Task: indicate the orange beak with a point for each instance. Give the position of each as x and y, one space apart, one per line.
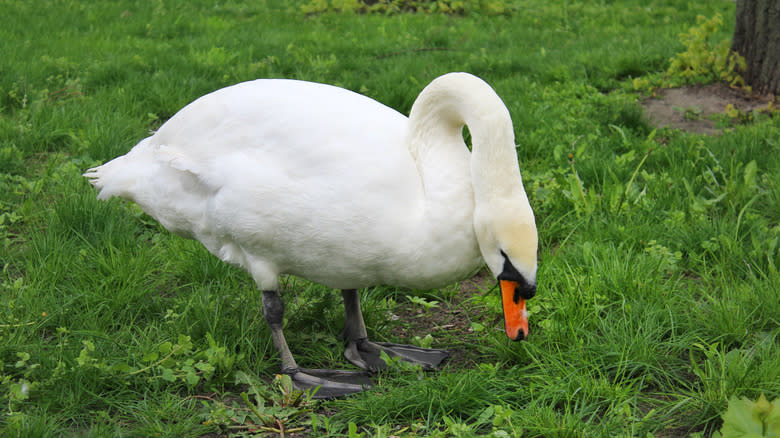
515 315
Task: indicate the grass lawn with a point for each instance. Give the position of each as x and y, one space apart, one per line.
658 276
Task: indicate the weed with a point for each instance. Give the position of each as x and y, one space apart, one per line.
703 61
422 302
746 418
279 410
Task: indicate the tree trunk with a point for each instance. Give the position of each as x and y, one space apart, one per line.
757 38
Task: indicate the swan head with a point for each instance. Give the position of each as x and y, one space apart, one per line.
508 240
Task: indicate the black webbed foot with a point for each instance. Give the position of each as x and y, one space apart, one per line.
429 358
367 355
328 384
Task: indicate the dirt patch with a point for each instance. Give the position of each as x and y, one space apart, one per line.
696 108
450 320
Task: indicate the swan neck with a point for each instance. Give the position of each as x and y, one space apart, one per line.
438 116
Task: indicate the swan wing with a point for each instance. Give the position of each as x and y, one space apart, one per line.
279 176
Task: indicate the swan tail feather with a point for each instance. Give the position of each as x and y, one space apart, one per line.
125 175
111 179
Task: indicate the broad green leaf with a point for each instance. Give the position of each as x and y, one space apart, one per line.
745 418
184 343
751 169
165 347
192 378
20 391
167 375
122 368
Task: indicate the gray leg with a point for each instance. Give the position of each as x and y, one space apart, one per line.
325 383
360 351
354 327
366 354
273 308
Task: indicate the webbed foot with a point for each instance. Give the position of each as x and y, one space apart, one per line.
367 355
328 384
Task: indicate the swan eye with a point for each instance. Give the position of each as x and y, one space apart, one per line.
524 288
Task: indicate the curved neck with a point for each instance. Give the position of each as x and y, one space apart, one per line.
435 128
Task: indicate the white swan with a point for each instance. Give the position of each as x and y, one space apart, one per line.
290 177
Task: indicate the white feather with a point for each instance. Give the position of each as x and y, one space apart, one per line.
283 176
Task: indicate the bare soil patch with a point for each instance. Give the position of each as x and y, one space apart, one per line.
450 320
695 108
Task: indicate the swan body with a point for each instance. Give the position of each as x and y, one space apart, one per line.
290 177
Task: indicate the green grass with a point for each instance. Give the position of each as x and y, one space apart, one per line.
658 276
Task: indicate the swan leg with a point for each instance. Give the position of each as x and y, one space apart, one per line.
360 351
273 309
323 383
366 354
